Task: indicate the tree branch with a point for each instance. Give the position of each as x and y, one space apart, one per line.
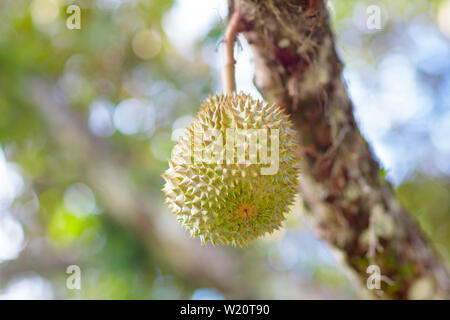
353 207
231 33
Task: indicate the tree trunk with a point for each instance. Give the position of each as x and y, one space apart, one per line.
353 208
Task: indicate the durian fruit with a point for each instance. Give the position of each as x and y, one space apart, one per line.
220 198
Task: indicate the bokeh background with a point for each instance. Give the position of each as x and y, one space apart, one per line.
88 118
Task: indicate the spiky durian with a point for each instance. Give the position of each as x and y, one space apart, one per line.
221 195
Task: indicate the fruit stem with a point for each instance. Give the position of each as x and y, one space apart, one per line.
231 32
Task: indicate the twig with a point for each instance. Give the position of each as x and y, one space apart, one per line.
228 77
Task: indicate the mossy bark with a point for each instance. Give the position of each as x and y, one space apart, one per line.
352 206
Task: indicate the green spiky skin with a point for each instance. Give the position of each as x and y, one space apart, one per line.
232 203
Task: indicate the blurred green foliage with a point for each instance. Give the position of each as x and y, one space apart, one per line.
44 64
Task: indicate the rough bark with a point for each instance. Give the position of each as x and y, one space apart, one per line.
352 206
